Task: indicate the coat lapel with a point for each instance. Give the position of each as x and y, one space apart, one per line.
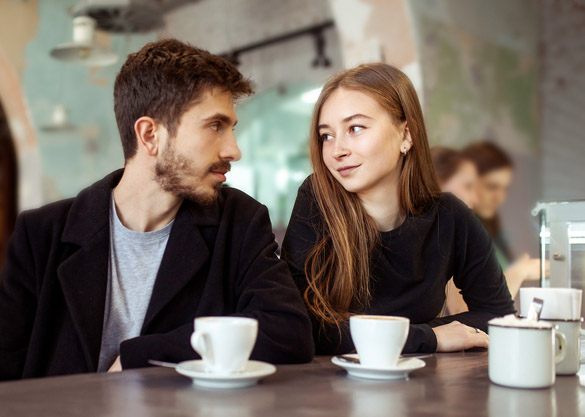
186 253
83 275
83 279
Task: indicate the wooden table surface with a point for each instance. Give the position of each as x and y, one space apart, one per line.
449 385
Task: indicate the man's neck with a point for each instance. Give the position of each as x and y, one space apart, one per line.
141 204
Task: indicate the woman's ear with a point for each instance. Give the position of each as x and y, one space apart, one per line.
406 139
148 134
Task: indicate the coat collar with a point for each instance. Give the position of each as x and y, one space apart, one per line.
83 275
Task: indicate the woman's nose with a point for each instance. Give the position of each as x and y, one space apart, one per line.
340 150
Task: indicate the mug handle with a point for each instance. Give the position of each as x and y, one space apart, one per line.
561 345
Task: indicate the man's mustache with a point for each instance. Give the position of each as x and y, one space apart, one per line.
220 166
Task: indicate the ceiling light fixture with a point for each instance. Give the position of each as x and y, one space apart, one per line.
83 50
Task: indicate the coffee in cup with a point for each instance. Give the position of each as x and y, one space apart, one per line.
224 343
378 339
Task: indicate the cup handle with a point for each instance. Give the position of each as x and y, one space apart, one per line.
561 346
200 342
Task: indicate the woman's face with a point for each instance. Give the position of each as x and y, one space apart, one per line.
463 184
492 188
361 144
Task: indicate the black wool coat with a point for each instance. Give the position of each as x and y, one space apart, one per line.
219 260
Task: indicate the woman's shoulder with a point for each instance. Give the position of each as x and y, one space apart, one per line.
448 204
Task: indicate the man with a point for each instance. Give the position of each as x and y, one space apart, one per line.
115 276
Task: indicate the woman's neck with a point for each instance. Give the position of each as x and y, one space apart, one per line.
383 205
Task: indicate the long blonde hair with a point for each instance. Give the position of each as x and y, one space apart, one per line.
338 266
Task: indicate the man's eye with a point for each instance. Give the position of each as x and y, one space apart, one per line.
215 126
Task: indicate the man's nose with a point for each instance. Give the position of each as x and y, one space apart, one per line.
230 151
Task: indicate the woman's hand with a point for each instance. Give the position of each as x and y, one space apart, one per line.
456 336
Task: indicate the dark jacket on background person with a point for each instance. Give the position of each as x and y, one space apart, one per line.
219 260
409 271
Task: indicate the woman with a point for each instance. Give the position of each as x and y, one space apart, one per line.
496 170
370 231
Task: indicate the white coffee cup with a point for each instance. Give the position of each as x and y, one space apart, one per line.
522 353
224 343
558 303
572 330
378 339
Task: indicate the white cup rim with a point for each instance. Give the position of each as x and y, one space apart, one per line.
227 319
543 326
379 317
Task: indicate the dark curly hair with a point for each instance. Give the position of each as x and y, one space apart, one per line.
163 80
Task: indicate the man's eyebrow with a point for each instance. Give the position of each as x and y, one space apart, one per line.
222 118
347 119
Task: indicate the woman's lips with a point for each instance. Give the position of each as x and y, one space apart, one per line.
345 171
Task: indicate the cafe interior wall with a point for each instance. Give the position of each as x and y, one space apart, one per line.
513 73
480 68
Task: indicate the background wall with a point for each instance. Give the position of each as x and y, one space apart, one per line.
479 63
508 71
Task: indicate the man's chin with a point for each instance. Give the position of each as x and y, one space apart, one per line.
201 197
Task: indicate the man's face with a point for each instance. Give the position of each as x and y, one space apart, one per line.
193 164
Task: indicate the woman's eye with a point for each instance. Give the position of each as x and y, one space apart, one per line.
355 129
326 137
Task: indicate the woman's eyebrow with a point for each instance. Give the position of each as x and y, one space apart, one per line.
347 119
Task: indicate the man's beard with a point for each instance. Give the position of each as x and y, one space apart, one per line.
180 177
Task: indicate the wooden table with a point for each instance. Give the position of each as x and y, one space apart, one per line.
450 385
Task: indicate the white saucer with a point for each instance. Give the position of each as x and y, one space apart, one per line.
401 371
254 371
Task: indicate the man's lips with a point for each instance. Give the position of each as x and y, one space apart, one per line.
346 170
220 174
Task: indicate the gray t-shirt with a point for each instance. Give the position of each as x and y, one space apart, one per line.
135 258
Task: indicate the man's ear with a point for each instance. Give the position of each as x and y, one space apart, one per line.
148 134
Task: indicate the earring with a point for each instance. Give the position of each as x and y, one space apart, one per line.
404 151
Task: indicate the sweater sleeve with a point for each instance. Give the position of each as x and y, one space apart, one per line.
264 291
477 273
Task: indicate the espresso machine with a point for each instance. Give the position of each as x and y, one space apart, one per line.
562 243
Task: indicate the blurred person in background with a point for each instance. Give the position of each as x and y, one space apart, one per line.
496 171
456 174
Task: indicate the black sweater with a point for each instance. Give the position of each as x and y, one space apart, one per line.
410 269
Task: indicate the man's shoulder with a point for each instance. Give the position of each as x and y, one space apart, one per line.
88 204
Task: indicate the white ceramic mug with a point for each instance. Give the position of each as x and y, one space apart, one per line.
378 340
572 330
558 303
224 343
522 354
